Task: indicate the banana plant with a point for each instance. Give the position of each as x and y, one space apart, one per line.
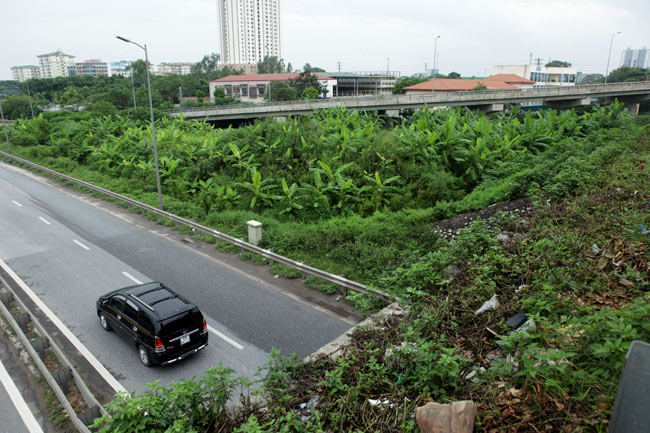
290 199
261 190
380 192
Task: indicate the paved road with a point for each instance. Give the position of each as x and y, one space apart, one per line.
19 409
69 251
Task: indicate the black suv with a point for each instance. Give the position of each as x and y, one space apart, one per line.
162 325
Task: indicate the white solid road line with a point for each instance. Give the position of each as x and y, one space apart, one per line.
19 402
44 220
103 372
16 203
131 277
80 244
225 338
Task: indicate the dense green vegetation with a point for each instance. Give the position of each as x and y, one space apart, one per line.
359 195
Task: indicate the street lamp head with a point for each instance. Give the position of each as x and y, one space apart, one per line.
122 39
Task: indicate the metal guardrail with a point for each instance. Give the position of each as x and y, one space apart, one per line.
273 257
95 409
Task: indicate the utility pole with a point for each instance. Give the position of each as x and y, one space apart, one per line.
338 64
610 54
2 116
434 71
31 107
387 65
530 62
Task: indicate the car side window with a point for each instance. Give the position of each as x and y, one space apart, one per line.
131 310
145 322
118 302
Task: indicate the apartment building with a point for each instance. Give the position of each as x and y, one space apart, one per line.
636 58
250 30
55 64
174 68
25 72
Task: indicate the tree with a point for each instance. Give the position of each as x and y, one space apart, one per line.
309 68
16 107
199 95
305 80
139 68
207 68
220 98
625 74
282 91
168 86
270 65
405 82
289 67
310 93
558 64
481 86
453 75
592 79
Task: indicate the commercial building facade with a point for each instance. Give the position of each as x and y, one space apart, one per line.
253 88
121 68
360 84
636 58
542 76
92 68
55 64
25 72
250 30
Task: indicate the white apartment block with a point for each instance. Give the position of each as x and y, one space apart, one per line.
636 58
541 75
26 72
174 69
250 30
56 64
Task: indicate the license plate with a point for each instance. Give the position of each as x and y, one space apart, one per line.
185 339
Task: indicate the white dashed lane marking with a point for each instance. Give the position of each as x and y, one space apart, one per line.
16 203
44 220
131 277
80 244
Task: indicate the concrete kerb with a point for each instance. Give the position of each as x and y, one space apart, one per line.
332 348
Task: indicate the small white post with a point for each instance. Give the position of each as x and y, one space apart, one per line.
254 232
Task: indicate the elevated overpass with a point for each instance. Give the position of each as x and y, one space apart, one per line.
488 100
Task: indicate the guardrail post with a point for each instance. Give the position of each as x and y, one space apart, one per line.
241 249
271 261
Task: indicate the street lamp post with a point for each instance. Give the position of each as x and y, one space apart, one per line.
268 67
435 53
610 54
153 123
387 66
133 86
31 107
2 116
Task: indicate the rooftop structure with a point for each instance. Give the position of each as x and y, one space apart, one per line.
542 76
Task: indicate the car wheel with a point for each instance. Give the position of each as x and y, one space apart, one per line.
144 356
104 322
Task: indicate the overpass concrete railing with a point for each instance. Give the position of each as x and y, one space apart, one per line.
270 255
396 102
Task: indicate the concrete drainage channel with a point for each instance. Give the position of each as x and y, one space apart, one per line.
61 376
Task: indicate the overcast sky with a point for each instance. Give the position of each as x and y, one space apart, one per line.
361 34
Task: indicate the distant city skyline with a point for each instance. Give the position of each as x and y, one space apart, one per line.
365 35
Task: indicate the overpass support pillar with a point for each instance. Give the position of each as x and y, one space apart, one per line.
566 104
490 108
280 119
632 107
392 113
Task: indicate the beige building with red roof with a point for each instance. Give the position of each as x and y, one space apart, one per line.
253 87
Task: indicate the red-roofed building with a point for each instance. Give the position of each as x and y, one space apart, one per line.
512 79
458 84
252 87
